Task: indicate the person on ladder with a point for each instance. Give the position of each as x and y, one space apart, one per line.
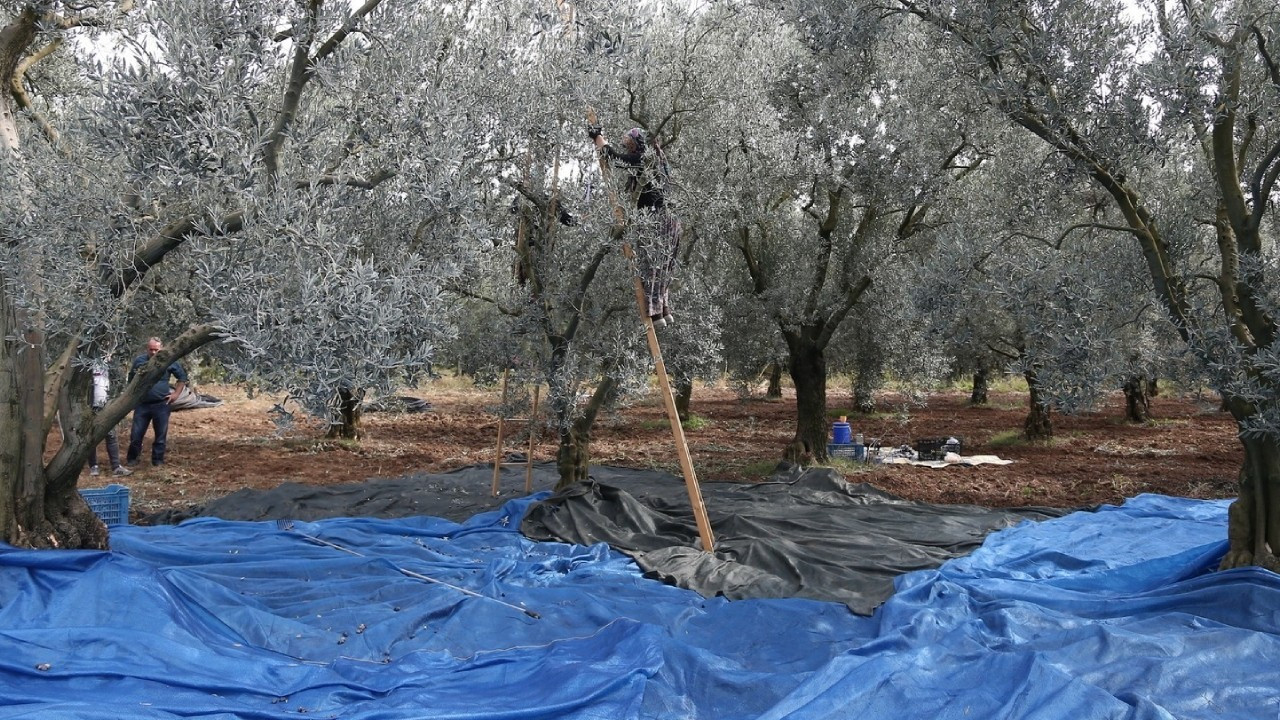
658 238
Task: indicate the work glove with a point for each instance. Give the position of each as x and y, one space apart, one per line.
593 132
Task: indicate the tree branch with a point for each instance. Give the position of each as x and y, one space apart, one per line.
1092 226
299 74
1263 181
348 27
368 183
169 239
853 293
464 291
18 89
753 266
55 377
67 22
1272 69
580 293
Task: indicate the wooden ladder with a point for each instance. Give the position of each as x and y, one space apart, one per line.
532 424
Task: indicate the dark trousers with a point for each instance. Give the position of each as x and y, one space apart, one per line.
113 450
155 414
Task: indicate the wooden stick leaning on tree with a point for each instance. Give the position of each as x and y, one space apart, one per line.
668 400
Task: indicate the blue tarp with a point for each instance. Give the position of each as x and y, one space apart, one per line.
1110 614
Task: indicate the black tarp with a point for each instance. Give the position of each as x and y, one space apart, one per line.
813 535
455 495
804 534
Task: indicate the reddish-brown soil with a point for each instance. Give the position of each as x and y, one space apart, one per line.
1188 450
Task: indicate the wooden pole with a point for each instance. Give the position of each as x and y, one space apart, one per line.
497 458
668 399
533 420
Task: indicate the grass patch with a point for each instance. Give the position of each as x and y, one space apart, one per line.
695 422
1015 438
848 465
1007 438
762 468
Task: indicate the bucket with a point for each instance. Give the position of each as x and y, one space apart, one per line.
841 434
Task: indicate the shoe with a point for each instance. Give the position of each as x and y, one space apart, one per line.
669 319
93 471
132 463
657 320
157 463
122 471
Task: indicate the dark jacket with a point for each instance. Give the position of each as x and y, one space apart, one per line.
160 391
646 181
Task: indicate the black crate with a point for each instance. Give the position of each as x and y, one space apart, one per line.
936 448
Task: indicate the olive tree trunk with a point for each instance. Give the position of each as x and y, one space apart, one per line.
573 455
683 397
1253 528
39 505
981 385
808 365
347 422
38 509
1039 424
774 390
1137 401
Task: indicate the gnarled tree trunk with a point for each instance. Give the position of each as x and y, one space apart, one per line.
809 373
1039 424
573 455
1253 529
38 509
774 390
347 422
1137 403
683 397
981 384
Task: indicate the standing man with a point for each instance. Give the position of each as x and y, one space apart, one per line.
153 409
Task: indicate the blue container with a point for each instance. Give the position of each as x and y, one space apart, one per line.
110 503
840 433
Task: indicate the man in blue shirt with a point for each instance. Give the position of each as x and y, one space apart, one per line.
153 409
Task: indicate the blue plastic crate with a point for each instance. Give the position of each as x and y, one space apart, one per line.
848 451
110 503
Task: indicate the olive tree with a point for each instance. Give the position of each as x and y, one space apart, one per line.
552 282
833 188
1119 90
291 174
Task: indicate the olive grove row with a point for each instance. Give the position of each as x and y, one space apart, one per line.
324 197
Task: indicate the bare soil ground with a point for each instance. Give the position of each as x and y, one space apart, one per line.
1188 450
